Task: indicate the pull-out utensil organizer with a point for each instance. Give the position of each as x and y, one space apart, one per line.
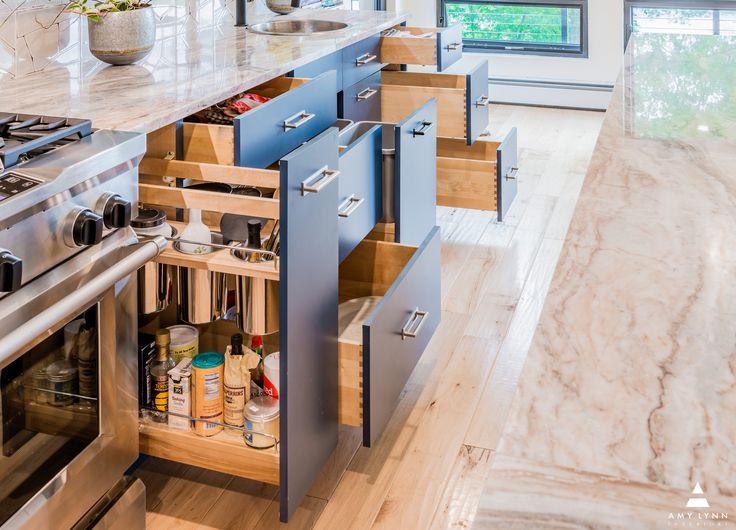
205 280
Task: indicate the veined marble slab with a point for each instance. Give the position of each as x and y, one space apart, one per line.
632 372
186 72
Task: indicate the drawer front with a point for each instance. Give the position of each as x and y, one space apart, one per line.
397 333
415 179
269 132
307 316
449 46
359 202
507 166
476 105
360 60
320 66
362 101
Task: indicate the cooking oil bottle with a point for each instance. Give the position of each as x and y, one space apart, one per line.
160 376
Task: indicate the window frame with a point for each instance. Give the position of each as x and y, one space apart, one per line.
714 5
524 48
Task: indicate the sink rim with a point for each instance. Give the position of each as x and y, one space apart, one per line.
260 27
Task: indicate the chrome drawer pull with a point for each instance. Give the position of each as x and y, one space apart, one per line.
301 118
317 181
415 323
482 101
512 173
368 93
365 59
425 127
350 204
453 46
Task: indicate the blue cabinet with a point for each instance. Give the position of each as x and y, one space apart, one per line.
298 112
397 290
416 174
359 197
308 316
361 60
332 62
362 101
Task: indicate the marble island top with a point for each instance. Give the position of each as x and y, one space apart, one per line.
628 395
184 73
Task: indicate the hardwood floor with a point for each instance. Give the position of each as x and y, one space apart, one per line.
429 467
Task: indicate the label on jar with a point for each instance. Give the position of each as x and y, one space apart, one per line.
212 386
161 393
234 405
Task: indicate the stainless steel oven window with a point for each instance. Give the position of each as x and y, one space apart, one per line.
50 413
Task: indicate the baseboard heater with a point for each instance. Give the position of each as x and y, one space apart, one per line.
539 83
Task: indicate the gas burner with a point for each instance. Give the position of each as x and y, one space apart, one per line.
24 136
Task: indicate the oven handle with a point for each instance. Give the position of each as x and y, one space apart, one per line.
89 292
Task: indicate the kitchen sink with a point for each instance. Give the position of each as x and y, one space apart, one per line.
297 27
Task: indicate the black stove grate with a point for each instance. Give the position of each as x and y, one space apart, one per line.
24 136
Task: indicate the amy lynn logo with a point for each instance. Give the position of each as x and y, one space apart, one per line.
699 513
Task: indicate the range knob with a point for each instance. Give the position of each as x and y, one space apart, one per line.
116 211
11 272
84 228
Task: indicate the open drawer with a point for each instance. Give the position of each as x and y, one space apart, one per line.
298 110
481 176
428 46
390 308
462 99
306 269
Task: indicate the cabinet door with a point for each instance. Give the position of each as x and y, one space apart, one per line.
416 175
360 188
397 333
507 165
476 105
362 101
308 315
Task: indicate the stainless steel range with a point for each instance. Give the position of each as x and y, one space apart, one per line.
68 258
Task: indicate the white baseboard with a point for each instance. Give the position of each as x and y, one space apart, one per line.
550 94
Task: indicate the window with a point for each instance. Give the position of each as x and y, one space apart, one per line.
713 17
542 27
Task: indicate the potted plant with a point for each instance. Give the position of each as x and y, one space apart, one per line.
120 31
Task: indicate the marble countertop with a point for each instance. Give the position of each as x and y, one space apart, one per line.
628 395
183 74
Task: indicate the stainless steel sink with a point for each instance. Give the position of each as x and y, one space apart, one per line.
297 27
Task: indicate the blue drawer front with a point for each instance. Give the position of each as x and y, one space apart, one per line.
362 101
359 190
360 60
307 317
332 62
449 46
507 164
388 356
476 105
416 175
261 137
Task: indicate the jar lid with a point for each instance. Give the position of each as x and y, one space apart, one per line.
262 408
60 371
183 334
149 218
208 360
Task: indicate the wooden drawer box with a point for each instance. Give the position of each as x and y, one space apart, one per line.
298 111
481 176
443 49
462 99
390 308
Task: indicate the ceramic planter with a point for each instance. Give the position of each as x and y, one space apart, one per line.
123 37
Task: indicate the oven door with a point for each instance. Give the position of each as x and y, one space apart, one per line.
68 384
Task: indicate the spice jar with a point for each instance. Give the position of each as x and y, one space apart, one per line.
62 377
262 418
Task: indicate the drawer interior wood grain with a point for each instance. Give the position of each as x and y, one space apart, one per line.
403 92
466 174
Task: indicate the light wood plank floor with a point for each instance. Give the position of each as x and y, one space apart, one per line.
428 468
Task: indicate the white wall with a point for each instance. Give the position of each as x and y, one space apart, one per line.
605 52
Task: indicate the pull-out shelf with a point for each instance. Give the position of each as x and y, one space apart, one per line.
442 48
